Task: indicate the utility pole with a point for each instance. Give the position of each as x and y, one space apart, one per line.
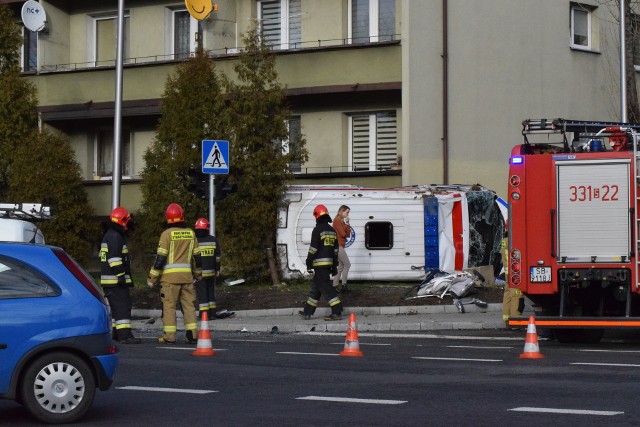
117 117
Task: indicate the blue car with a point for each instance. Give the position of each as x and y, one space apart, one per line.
56 347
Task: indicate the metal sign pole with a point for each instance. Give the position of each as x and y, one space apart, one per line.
117 117
212 205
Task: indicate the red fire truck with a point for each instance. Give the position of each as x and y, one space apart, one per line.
573 226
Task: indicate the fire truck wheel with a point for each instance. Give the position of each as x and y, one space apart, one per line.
586 336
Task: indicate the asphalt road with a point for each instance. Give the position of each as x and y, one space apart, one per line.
402 380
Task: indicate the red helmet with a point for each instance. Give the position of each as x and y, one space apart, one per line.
319 211
202 224
174 213
120 216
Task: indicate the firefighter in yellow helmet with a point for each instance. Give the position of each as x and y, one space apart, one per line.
176 266
512 300
115 274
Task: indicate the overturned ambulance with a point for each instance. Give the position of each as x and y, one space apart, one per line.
396 233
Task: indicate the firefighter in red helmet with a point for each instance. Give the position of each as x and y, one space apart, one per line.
176 266
323 259
115 274
210 255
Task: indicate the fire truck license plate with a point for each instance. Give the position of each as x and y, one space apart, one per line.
541 274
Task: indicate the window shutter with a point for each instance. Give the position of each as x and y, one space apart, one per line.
387 139
270 21
360 135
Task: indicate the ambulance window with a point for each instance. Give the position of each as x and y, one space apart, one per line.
378 235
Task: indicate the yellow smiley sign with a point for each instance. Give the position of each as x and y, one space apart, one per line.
199 9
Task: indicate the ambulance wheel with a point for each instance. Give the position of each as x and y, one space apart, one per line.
585 336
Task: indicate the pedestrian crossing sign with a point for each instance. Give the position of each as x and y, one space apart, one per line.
215 157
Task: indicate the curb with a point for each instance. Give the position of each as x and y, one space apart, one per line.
286 320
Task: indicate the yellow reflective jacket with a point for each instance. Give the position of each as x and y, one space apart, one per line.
178 257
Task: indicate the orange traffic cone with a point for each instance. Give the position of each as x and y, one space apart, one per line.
531 348
351 344
204 347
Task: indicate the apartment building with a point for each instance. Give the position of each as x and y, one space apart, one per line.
386 92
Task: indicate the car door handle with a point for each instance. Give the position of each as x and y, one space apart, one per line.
2 346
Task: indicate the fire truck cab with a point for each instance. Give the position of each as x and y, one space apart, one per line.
573 226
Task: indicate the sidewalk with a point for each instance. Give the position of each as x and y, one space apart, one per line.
376 319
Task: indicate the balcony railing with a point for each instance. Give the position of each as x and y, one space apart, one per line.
221 53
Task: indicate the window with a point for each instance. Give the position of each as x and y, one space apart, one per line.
104 153
104 37
280 23
293 144
372 20
580 27
184 34
373 141
378 235
20 281
29 52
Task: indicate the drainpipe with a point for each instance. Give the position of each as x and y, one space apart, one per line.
445 96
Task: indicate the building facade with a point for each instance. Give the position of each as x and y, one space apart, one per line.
385 92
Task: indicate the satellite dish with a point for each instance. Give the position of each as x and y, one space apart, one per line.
33 16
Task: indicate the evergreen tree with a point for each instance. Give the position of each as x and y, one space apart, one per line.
256 117
191 109
18 101
44 170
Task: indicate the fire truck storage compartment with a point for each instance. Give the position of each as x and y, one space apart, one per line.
593 223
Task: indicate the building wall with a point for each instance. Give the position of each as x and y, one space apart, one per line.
508 60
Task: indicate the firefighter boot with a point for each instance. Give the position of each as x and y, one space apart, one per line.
126 337
304 315
189 338
333 316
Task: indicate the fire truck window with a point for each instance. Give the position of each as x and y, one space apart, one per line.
378 235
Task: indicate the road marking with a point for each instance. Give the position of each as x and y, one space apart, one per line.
229 339
457 359
368 344
312 354
476 346
626 365
421 336
353 400
188 348
612 351
167 390
566 411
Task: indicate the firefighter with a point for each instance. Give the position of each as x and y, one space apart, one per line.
176 266
115 274
210 254
512 300
323 259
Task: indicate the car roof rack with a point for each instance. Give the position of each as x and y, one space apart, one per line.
28 211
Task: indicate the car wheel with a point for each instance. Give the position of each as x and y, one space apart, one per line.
58 388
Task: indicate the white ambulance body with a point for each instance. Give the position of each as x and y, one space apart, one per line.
396 232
